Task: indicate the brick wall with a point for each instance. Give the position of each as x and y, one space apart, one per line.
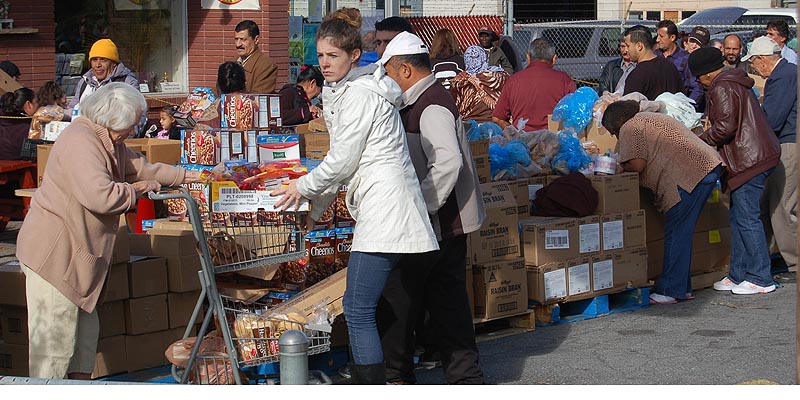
33 53
210 39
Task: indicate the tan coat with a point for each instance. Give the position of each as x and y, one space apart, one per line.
260 73
69 233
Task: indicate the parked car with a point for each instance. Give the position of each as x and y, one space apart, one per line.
730 19
582 47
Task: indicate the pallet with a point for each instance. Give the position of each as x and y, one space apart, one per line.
495 328
612 303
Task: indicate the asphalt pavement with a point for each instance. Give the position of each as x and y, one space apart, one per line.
717 338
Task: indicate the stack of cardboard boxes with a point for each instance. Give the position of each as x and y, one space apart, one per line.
711 242
576 258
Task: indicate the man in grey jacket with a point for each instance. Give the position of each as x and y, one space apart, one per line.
434 281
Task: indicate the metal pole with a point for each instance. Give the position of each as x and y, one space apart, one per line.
293 346
509 28
392 8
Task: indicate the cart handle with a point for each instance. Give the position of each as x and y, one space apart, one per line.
164 195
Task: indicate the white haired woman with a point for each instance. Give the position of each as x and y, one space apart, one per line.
66 241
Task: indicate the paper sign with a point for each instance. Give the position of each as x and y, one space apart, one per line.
171 87
612 235
144 88
714 237
555 284
556 239
579 279
590 238
603 274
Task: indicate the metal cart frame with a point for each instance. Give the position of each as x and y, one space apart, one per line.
219 305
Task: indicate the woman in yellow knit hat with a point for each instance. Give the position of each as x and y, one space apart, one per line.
106 68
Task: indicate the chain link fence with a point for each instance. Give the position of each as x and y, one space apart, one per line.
584 47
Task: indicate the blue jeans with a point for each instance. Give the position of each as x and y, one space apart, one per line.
366 278
675 280
749 251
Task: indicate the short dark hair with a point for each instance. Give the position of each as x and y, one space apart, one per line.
250 26
421 62
643 37
618 113
672 29
170 110
231 78
781 26
311 73
542 49
639 28
394 24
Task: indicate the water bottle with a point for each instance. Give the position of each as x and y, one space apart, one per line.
75 111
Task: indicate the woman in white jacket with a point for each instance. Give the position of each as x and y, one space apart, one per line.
369 154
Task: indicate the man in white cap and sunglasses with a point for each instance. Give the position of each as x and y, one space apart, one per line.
435 281
780 106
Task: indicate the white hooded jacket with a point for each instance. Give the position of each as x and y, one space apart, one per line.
369 154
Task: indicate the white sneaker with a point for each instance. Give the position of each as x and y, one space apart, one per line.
751 288
724 285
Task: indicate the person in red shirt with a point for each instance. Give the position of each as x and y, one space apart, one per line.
533 92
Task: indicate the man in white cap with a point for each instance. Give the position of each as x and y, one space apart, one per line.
434 281
780 105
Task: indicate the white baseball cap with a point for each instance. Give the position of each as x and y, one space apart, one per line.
762 46
402 45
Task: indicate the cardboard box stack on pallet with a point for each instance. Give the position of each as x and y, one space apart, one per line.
711 242
577 258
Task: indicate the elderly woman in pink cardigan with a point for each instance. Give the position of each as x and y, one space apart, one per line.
66 241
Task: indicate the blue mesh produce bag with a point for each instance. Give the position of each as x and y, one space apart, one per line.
506 157
575 109
571 156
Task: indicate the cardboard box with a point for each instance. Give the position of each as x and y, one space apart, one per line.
549 239
159 150
579 278
655 259
470 290
707 258
547 283
116 287
711 240
112 318
147 277
181 306
713 216
14 324
315 145
7 83
498 237
534 184
589 238
200 147
122 246
623 230
12 285
146 315
111 357
182 273
14 359
630 268
482 168
500 288
172 243
42 154
654 220
479 147
330 290
602 273
144 351
519 189
273 148
140 244
592 133
616 193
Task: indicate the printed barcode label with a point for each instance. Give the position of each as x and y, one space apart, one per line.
228 190
556 239
510 306
503 251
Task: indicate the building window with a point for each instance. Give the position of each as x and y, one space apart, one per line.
654 15
151 39
636 15
687 14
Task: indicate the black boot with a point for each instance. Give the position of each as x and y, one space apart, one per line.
373 374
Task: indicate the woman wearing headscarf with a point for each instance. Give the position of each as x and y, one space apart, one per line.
477 89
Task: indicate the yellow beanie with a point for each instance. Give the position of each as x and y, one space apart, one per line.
104 48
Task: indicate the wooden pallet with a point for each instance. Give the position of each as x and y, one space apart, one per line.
559 313
496 328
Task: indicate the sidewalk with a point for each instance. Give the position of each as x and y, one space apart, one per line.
718 338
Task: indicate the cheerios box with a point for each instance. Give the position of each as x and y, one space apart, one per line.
273 148
200 147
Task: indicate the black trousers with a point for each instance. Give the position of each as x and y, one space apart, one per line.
434 282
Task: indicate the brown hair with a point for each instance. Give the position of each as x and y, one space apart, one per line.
342 29
50 93
445 44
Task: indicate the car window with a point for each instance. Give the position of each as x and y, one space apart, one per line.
762 19
609 42
569 42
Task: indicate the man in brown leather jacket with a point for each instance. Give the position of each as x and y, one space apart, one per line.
746 142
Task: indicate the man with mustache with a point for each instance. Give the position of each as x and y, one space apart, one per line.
260 71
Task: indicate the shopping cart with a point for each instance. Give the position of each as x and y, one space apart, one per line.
231 242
